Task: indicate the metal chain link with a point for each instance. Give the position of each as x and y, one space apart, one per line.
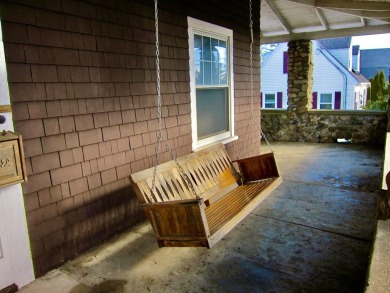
261 130
160 136
252 115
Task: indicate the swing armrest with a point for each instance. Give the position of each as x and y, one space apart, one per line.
258 168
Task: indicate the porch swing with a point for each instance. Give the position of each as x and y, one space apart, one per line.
195 200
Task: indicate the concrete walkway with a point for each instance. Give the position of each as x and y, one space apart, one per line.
313 234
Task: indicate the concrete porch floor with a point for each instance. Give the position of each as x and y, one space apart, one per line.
313 234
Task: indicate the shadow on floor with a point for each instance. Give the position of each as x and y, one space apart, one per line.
313 234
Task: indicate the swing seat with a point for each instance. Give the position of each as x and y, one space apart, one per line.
225 197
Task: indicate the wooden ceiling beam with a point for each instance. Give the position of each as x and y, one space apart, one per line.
346 4
277 14
322 19
334 33
363 21
354 5
366 14
375 15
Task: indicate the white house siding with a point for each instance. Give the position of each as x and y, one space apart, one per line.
273 79
327 78
342 55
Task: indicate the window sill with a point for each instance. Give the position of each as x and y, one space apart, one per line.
224 141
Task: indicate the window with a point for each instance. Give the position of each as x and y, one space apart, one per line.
269 101
326 101
211 82
272 101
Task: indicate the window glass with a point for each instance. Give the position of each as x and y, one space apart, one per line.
269 101
210 57
197 59
326 101
212 110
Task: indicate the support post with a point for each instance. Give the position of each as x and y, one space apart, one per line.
300 79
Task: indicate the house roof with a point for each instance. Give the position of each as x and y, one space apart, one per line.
359 77
285 20
336 43
375 58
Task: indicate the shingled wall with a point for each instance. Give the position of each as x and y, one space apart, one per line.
82 86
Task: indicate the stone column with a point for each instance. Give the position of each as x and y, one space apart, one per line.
300 79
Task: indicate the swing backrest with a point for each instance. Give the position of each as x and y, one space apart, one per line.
210 170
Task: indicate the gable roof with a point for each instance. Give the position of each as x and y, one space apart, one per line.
375 58
359 77
337 43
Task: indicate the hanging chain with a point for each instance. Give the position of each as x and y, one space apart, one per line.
252 115
251 54
160 136
261 129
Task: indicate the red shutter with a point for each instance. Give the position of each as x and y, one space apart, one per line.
337 100
279 100
285 62
315 98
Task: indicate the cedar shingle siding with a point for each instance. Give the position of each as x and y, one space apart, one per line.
82 86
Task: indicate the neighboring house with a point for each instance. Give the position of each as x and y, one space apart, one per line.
374 60
335 84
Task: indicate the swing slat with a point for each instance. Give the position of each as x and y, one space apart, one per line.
180 219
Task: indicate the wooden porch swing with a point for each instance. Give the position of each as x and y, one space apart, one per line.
195 200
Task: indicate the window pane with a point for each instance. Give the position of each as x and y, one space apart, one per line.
214 48
222 60
212 110
214 64
206 49
215 73
326 106
206 72
269 98
326 98
197 59
270 105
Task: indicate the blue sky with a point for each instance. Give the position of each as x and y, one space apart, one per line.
372 41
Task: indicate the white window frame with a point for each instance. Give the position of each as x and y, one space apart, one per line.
275 97
196 26
319 101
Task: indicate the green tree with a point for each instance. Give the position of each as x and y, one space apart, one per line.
378 87
377 94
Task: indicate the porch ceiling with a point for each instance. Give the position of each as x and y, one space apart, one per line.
285 20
